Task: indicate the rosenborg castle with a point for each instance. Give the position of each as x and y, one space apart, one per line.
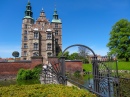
40 37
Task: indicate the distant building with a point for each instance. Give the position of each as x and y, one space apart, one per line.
99 57
40 37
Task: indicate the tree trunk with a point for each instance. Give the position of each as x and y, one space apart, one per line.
127 59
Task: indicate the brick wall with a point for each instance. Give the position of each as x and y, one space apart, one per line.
11 68
71 65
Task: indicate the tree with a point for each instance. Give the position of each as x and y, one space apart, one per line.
74 56
83 53
66 55
119 42
15 54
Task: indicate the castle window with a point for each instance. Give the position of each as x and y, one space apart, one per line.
49 54
36 35
35 46
25 26
25 32
56 32
36 54
56 25
25 45
48 35
49 46
25 38
56 40
25 53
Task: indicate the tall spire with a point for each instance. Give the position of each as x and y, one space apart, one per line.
28 12
55 15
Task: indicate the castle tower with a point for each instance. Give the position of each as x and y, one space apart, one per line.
40 38
57 27
26 27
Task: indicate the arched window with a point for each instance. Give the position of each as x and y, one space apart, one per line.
35 46
49 46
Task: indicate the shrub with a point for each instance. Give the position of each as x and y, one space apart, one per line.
77 74
28 74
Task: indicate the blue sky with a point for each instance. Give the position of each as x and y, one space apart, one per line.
87 22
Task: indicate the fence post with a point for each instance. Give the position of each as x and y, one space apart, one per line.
95 74
62 60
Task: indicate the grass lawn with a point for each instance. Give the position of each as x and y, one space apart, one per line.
121 66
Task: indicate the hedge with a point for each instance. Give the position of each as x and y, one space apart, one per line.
44 90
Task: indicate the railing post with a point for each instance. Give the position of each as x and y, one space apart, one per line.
95 74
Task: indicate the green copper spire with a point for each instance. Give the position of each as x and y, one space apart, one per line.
28 12
55 17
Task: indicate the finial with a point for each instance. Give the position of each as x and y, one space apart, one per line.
42 9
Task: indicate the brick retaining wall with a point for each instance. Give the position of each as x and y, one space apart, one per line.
11 68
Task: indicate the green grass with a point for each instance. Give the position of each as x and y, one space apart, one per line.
87 67
121 66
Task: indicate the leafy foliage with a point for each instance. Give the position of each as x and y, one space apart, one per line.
73 56
119 42
48 90
29 74
77 74
66 55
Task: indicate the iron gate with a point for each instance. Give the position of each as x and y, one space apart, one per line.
102 80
